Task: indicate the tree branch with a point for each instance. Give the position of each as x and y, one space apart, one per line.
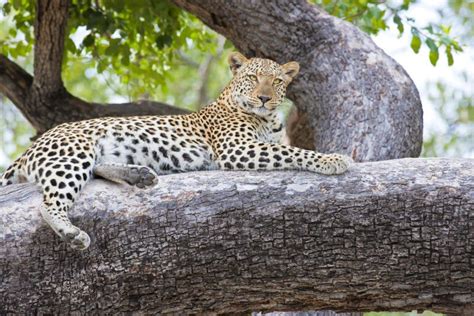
393 235
15 82
141 107
357 98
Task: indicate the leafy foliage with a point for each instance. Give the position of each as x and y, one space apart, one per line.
373 16
135 40
18 25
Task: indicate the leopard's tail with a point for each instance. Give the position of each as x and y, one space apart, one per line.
13 174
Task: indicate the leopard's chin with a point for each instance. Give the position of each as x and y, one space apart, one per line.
261 111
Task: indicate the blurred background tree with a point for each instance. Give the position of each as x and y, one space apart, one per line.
453 101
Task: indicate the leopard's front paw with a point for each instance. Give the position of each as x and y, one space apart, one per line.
333 164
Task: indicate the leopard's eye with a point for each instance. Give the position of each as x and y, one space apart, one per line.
277 81
253 77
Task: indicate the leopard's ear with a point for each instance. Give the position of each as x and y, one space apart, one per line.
290 70
236 60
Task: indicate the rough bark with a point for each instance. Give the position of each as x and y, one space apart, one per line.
392 235
359 100
307 313
50 31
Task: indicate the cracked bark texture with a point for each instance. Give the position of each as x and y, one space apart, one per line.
358 100
392 235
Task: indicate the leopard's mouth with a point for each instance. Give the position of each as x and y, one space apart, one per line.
254 107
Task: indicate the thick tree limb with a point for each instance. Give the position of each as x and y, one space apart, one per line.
16 84
141 107
357 98
392 235
14 81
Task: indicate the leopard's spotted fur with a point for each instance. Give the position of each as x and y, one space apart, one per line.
239 131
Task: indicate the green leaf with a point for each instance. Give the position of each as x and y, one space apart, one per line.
445 28
228 44
12 32
113 48
163 41
16 4
125 60
405 5
399 23
456 46
6 8
3 49
431 44
101 66
415 43
70 46
88 40
449 55
434 56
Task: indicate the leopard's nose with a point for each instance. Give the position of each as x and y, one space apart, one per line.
264 98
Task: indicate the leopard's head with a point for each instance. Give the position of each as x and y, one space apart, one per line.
259 85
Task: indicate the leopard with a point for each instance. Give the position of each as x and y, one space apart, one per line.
241 130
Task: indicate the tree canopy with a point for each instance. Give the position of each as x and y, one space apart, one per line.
140 41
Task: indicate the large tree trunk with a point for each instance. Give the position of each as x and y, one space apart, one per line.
393 235
358 100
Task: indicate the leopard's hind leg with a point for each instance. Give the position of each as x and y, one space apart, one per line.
61 180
